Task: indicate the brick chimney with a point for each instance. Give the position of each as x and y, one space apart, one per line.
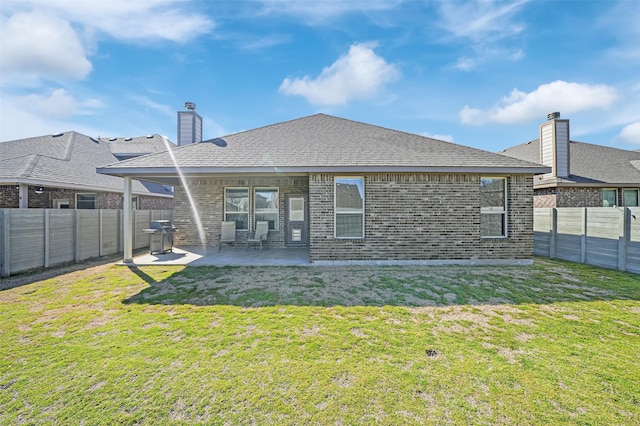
554 146
189 125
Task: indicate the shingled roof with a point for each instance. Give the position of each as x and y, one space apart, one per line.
589 164
66 160
129 147
322 143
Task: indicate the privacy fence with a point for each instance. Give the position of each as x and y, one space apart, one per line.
603 236
36 238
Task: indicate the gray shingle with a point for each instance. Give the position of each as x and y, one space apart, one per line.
69 159
321 141
589 163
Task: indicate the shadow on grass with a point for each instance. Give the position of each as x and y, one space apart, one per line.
548 281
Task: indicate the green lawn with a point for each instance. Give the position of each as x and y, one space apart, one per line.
556 343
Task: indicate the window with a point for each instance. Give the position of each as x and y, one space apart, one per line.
349 207
630 197
609 197
265 206
134 203
493 207
236 207
86 201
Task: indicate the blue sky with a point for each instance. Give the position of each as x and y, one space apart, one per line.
480 73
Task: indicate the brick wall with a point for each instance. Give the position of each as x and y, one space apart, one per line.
569 197
9 198
208 197
421 217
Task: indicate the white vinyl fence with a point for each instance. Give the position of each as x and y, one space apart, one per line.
602 236
36 238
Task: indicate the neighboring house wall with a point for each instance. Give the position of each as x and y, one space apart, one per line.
421 217
105 200
9 197
568 197
208 196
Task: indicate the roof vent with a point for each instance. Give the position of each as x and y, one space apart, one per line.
113 139
553 115
128 139
190 105
149 136
57 135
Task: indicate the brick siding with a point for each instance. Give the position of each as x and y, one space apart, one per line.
208 197
421 217
9 198
569 197
407 216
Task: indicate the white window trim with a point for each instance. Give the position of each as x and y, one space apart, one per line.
335 208
95 199
610 189
248 205
504 212
267 188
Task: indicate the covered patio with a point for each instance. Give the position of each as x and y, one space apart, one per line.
228 256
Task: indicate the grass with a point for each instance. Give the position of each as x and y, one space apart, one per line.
556 343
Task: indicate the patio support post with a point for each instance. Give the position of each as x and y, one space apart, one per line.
126 207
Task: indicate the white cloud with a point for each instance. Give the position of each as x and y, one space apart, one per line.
41 44
44 113
323 11
127 20
53 39
356 75
448 138
58 104
480 20
566 97
630 133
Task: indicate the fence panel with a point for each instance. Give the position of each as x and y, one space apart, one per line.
62 231
110 231
35 238
141 221
569 234
88 234
600 236
542 225
26 240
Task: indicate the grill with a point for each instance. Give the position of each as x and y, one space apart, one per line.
161 236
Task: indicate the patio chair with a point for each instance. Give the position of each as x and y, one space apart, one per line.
228 234
259 235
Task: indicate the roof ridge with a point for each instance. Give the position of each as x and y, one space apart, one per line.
30 165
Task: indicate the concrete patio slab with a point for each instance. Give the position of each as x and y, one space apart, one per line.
229 256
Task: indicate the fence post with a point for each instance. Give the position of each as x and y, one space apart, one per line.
625 229
554 232
76 236
6 255
47 238
583 236
100 232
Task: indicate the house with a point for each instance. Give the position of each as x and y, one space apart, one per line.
583 174
350 192
59 171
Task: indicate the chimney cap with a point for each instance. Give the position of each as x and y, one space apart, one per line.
553 115
190 105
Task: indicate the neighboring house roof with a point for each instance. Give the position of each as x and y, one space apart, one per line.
589 164
135 146
66 160
321 143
